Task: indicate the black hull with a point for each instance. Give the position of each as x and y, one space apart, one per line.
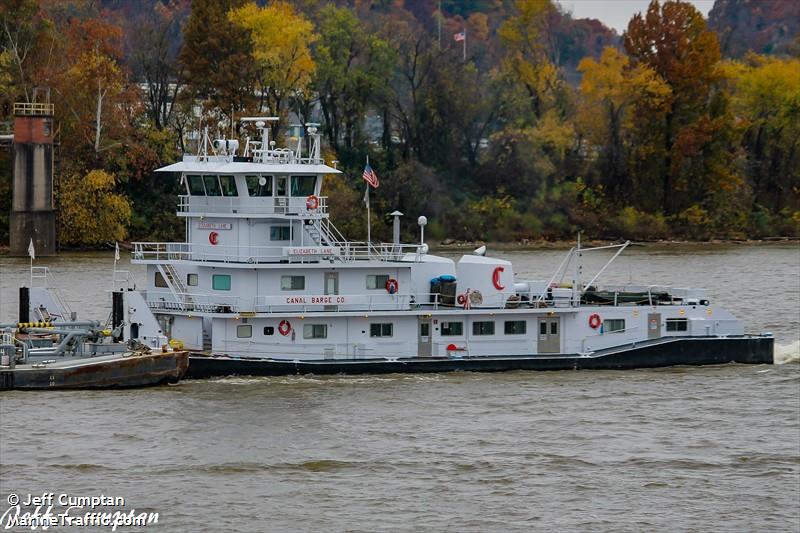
119 373
667 352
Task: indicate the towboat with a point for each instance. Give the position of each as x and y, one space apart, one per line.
265 284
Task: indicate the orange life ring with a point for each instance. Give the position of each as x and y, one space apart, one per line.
496 278
392 286
595 321
312 203
212 238
284 328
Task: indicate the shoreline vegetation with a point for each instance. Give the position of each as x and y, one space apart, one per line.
500 121
450 245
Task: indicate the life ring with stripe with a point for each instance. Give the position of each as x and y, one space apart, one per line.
284 328
595 321
392 286
461 299
213 238
312 203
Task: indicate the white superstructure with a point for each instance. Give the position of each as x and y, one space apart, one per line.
264 273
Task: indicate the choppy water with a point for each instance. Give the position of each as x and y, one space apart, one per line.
712 448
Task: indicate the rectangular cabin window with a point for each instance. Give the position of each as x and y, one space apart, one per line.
280 183
377 281
196 187
293 283
677 324
279 233
47 128
160 281
192 280
425 329
452 329
381 330
315 331
543 328
516 327
244 331
259 185
303 185
483 328
221 282
212 186
228 184
610 325
269 330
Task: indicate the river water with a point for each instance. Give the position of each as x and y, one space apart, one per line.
711 448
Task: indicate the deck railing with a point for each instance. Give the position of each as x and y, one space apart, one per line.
33 108
341 251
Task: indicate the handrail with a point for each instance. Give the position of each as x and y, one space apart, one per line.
33 108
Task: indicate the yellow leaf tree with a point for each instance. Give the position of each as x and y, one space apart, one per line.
281 39
90 212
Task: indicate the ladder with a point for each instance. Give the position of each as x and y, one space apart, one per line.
176 285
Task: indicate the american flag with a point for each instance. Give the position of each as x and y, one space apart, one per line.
370 176
460 36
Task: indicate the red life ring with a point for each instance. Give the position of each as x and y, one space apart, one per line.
284 328
212 238
595 321
312 203
496 278
461 299
392 286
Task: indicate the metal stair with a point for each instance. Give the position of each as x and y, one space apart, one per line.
176 285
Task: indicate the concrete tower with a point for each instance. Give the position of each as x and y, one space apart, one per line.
32 214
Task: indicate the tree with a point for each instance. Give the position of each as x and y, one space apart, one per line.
352 68
280 40
766 99
673 40
216 58
90 213
613 90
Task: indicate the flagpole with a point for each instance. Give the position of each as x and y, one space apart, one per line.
114 275
369 224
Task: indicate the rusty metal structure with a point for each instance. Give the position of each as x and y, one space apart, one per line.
32 209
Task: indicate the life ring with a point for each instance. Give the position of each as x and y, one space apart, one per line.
284 328
392 286
212 238
312 202
595 321
496 278
461 299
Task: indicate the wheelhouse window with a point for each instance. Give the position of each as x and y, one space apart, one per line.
315 331
377 281
483 328
610 325
452 329
160 281
280 185
192 280
293 283
677 324
196 187
516 327
279 233
259 185
244 331
221 282
381 330
303 185
212 186
228 186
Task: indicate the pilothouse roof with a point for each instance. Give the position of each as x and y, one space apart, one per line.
194 164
